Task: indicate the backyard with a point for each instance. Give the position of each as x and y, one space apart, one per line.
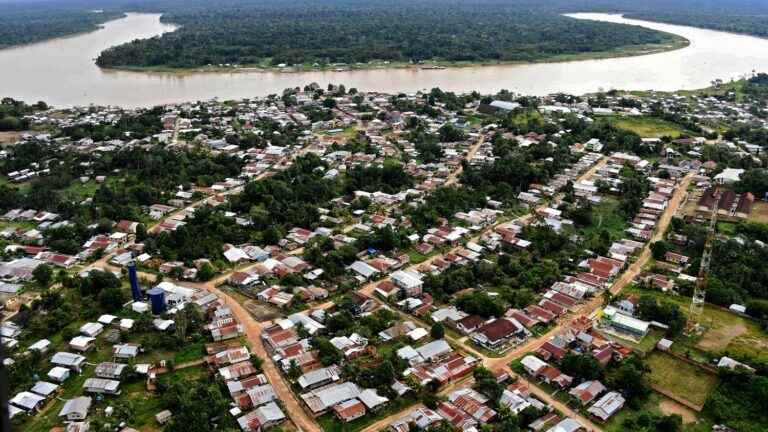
686 381
606 216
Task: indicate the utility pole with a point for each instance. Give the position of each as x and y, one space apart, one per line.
700 291
4 419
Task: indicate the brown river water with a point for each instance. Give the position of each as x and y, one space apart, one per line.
62 71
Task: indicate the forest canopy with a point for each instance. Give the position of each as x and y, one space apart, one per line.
327 32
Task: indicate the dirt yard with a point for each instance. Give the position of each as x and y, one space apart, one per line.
759 212
9 137
718 339
669 407
261 312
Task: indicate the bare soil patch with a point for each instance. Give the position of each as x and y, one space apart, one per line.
9 137
759 212
718 339
261 312
669 407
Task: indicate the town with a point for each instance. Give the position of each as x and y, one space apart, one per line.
330 259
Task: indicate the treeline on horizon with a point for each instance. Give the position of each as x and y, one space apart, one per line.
259 32
346 31
35 21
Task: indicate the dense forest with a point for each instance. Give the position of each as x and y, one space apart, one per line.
27 22
731 22
12 114
341 31
325 31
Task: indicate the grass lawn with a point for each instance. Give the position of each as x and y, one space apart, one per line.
82 190
726 228
648 127
725 332
689 382
417 257
190 352
606 216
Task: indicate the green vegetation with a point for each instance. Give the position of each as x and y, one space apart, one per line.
725 333
682 379
28 22
645 345
58 315
648 127
714 17
309 32
754 181
12 112
515 277
143 178
605 224
739 401
737 273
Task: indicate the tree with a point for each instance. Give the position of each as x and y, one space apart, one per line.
437 331
479 303
450 133
662 311
206 272
581 367
329 103
630 378
659 249
141 232
43 274
194 404
327 352
111 299
486 384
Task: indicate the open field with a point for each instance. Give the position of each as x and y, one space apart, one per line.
684 380
606 216
648 127
726 333
10 137
759 212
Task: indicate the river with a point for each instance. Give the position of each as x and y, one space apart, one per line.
62 71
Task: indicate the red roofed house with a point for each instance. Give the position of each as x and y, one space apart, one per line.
498 332
350 410
456 417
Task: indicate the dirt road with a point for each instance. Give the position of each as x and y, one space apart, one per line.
454 176
253 333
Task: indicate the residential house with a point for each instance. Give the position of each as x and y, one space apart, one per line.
587 391
76 409
498 332
349 410
607 406
102 386
261 418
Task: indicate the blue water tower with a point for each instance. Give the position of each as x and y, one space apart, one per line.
157 300
134 280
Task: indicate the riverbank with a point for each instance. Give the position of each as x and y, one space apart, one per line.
710 55
105 17
677 42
